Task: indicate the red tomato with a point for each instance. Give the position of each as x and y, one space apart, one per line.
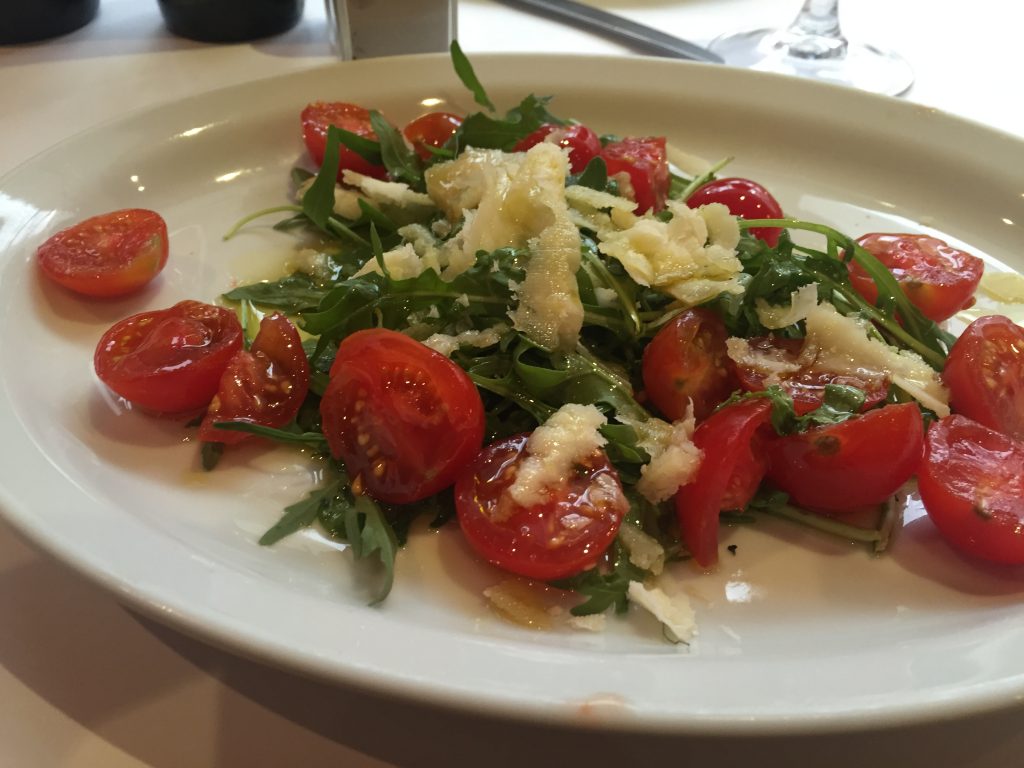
583 144
807 385
939 280
263 385
744 198
846 466
431 130
985 374
972 486
730 471
319 115
558 538
687 361
645 161
112 254
403 418
169 360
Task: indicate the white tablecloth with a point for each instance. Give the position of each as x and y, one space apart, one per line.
86 683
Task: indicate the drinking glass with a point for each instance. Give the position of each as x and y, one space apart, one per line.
814 46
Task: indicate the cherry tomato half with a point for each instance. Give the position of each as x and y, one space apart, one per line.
846 466
807 385
938 279
744 198
169 360
972 486
431 130
687 361
558 538
645 162
583 144
403 418
985 374
318 116
732 467
263 385
112 254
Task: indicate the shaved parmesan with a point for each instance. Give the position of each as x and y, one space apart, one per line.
446 344
691 257
844 346
386 192
675 613
518 200
554 448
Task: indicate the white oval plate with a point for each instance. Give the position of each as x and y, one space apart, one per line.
797 632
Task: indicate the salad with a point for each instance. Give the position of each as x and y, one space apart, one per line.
589 358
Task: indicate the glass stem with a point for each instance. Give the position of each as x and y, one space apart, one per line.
815 33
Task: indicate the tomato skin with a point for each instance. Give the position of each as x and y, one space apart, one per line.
583 144
938 279
687 360
985 374
431 130
807 385
744 198
169 360
729 474
263 385
109 255
645 161
972 485
403 418
540 541
319 115
843 467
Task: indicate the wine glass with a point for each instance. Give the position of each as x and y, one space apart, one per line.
814 46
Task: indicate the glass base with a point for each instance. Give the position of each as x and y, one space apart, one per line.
820 58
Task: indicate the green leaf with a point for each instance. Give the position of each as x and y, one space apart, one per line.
318 202
486 132
595 175
292 294
209 455
368 149
604 588
468 77
314 440
402 163
301 514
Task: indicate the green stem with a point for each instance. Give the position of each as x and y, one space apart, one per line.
627 303
821 523
259 214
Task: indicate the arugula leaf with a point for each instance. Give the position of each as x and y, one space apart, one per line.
840 403
301 514
468 77
369 533
356 518
485 132
477 298
594 176
314 440
292 294
603 589
209 455
318 202
402 163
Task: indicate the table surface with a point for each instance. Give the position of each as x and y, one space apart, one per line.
85 682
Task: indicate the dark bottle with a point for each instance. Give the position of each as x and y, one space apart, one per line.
31 20
229 21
